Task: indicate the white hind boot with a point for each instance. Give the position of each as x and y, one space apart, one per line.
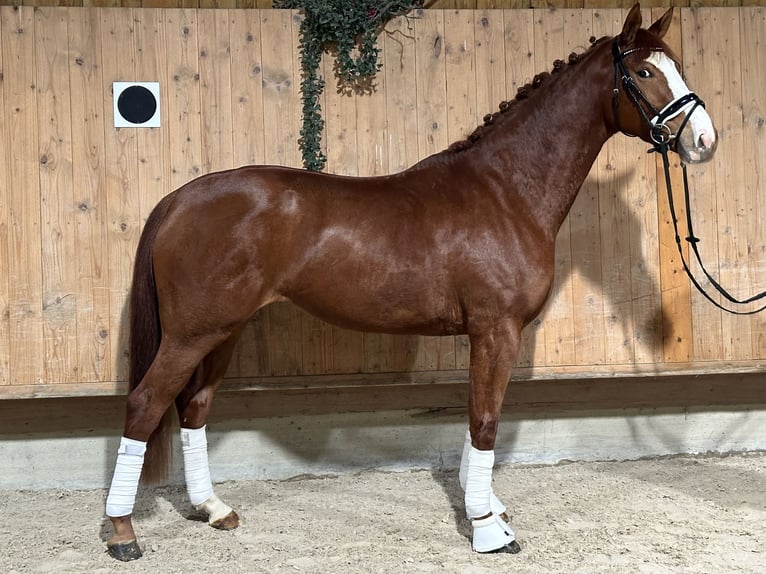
199 486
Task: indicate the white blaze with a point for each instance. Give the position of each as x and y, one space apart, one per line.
700 122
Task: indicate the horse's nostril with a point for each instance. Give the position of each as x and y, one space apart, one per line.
706 140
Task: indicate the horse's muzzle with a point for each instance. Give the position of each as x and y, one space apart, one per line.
696 148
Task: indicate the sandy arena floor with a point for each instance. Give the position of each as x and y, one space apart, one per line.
702 515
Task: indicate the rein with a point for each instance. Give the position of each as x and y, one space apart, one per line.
664 140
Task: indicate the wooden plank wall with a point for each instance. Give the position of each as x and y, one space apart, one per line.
431 4
74 191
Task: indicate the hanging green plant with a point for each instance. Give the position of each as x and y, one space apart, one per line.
350 28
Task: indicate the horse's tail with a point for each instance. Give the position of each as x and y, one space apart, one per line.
145 336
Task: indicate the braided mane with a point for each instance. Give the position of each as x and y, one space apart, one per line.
523 93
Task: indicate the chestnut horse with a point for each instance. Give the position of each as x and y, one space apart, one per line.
460 243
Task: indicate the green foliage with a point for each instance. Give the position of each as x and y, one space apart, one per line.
350 28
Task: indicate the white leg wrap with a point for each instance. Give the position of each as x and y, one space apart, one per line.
197 473
495 504
478 482
196 467
127 472
464 459
490 531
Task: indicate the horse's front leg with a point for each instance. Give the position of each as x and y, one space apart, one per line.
492 355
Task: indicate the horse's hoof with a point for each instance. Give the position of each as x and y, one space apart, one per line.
228 522
511 548
125 552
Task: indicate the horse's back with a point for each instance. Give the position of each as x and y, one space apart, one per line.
402 253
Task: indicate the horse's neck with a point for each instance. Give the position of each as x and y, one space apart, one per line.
548 146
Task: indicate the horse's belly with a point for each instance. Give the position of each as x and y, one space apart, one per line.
396 315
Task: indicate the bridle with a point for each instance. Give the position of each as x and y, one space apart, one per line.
664 139
659 132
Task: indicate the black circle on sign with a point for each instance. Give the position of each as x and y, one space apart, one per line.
137 104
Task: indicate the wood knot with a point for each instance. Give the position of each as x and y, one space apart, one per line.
437 46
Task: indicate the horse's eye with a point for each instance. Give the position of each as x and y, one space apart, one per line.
644 74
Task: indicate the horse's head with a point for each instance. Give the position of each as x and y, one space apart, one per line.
651 99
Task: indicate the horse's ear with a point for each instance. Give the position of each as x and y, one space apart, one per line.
631 26
660 27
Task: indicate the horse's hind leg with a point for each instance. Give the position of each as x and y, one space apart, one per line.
194 405
147 403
